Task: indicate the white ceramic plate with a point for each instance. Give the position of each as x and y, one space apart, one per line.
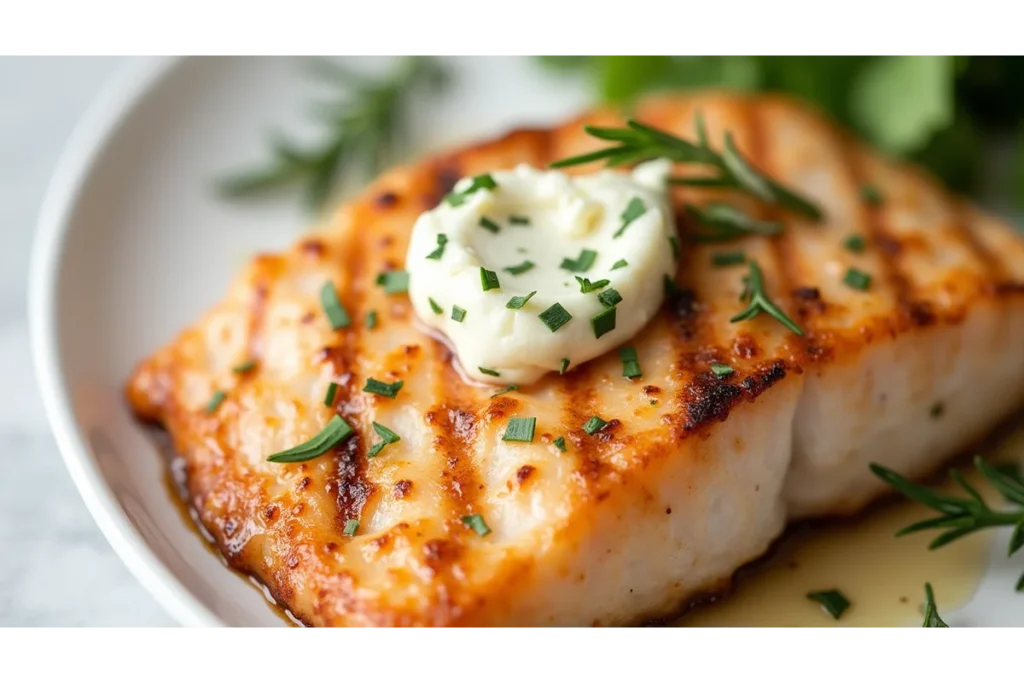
132 246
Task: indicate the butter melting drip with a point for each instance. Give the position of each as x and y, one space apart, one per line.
882 576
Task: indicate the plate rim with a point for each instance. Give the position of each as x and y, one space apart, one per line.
116 102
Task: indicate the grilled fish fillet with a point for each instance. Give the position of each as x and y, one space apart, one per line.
694 476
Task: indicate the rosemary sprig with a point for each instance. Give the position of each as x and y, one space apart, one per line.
364 123
759 302
723 222
931 612
960 516
639 142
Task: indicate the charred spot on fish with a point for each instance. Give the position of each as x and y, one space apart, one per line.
744 346
303 484
353 489
651 390
401 489
807 293
1010 288
818 352
307 317
501 407
385 200
230 527
808 301
523 473
438 550
758 382
313 248
270 512
385 241
292 561
888 245
446 174
920 313
668 511
330 547
707 399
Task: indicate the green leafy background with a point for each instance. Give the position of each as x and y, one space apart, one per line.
944 112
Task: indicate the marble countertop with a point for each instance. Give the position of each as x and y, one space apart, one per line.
56 569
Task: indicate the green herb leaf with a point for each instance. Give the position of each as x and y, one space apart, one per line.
487 224
333 433
480 182
245 367
442 240
560 443
609 297
760 303
621 263
519 269
520 429
458 314
855 243
518 302
555 317
375 386
594 425
603 322
215 401
371 319
564 366
723 259
857 279
476 523
489 279
586 286
630 363
581 263
388 437
489 371
519 220
394 281
434 306
510 387
725 222
336 313
721 370
832 601
871 195
351 527
931 612
634 210
332 391
673 242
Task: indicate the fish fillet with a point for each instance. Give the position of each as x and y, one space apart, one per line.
694 475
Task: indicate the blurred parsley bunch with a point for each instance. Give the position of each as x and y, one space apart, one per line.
940 111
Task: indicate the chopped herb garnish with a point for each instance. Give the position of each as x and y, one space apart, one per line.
673 242
937 409
371 319
633 210
489 371
487 224
722 259
520 429
245 367
434 306
375 386
721 370
510 387
476 523
760 303
594 425
670 286
630 362
351 527
332 391
333 433
489 279
586 286
603 322
726 222
442 240
621 263
519 269
458 314
855 243
871 195
564 366
581 263
857 279
336 313
609 297
560 443
480 182
518 302
519 220
215 401
394 281
931 612
555 316
388 436
833 602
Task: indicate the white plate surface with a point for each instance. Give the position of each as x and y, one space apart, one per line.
132 245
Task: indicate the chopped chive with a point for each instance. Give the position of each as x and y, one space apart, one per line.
375 386
855 243
634 210
489 371
519 269
487 224
519 220
476 523
518 302
245 367
394 281
673 241
609 297
603 322
721 370
857 279
670 286
333 433
727 258
489 279
388 436
630 363
621 263
937 410
371 319
594 425
332 390
434 306
555 317
586 286
520 429
336 313
871 195
560 443
455 198
832 601
351 527
510 387
564 366
458 314
442 239
480 182
581 263
215 401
